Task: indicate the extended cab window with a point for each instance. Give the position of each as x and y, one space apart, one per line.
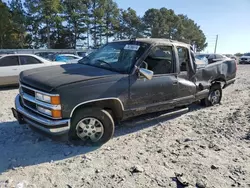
9 61
160 60
184 58
27 60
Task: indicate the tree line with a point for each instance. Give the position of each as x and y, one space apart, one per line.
60 24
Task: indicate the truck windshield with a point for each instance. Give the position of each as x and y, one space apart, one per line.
116 56
247 54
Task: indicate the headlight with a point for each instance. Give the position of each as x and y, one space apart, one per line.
44 110
53 113
55 100
42 97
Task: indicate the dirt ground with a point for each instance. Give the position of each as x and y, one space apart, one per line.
206 147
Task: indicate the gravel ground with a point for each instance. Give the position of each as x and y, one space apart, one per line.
206 147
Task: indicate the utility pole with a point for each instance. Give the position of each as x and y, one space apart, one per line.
215 48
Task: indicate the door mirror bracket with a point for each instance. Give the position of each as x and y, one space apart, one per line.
148 74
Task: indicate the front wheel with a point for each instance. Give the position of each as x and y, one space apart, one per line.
91 125
214 96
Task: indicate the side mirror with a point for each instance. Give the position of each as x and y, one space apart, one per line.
144 65
148 74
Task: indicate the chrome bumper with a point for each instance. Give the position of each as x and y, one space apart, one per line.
54 127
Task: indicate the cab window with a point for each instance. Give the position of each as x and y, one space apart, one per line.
184 58
160 60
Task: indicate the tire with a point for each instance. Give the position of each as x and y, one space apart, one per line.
214 97
93 126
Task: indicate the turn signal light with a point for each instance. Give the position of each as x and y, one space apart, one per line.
56 114
55 100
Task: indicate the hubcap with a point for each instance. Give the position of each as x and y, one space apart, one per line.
215 97
90 128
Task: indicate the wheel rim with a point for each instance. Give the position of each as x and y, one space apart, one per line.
90 129
215 97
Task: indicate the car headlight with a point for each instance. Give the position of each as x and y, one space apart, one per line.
55 100
53 113
44 110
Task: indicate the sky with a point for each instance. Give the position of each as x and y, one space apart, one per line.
229 19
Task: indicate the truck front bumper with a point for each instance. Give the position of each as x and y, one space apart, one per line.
53 127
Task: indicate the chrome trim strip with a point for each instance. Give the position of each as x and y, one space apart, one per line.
40 103
38 118
102 99
36 111
48 94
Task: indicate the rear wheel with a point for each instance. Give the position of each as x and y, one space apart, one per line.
214 96
91 125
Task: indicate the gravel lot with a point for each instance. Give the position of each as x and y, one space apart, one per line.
206 147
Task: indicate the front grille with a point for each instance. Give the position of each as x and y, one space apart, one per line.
244 59
29 101
30 104
28 91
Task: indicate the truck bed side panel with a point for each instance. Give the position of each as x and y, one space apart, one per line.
223 70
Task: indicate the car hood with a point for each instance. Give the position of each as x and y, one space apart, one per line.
245 56
49 78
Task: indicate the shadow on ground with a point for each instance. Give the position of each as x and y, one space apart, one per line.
21 146
5 88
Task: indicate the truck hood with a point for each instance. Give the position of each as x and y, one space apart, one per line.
49 78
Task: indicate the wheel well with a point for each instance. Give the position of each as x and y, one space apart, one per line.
220 81
113 106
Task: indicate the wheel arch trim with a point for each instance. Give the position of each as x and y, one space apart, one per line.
96 100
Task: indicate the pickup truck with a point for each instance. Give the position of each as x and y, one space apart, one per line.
121 80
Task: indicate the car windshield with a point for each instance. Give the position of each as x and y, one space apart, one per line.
116 56
247 54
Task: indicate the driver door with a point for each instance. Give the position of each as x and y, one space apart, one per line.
156 94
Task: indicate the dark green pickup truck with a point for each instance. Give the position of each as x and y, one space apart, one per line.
121 80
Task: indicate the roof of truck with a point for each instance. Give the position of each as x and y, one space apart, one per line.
158 41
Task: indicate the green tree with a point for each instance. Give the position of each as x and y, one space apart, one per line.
130 24
111 13
12 25
42 16
190 32
164 23
96 14
76 14
5 24
238 54
19 24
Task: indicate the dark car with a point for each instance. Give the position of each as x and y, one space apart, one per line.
212 57
120 80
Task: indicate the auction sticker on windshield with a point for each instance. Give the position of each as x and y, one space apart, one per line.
131 47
